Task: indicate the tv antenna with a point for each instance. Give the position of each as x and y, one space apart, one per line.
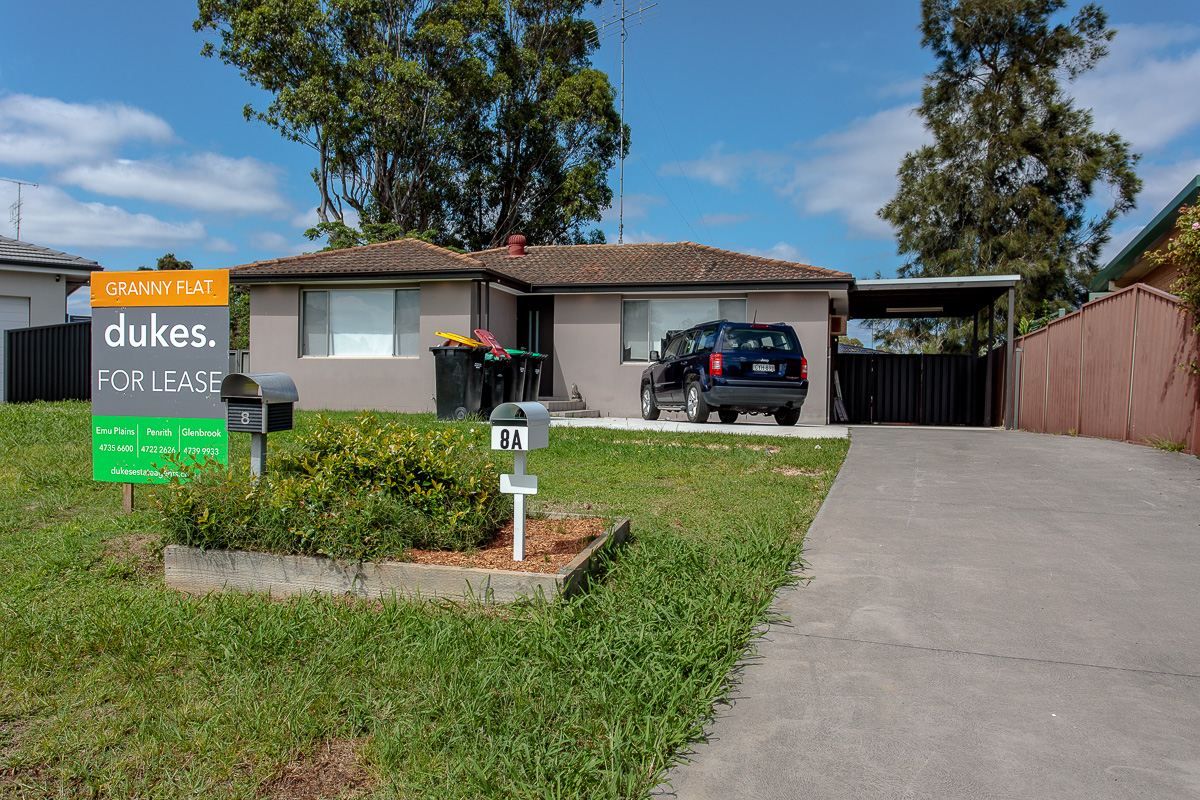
619 21
15 209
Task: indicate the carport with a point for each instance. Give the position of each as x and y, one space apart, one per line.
929 389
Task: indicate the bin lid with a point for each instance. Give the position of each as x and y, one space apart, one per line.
516 352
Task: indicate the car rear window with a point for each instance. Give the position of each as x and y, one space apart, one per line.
748 339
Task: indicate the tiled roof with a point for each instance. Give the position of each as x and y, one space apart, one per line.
628 264
13 251
401 255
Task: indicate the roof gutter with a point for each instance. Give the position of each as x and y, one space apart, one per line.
398 275
1163 222
692 286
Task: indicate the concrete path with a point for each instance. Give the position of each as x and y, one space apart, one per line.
992 615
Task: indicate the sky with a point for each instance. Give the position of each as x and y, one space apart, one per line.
770 128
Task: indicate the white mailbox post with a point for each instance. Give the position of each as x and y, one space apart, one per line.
519 427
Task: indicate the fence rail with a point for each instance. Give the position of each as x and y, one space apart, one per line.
50 362
1112 370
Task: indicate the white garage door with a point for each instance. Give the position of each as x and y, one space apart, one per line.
14 313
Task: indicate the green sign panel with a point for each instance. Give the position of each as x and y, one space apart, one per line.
150 449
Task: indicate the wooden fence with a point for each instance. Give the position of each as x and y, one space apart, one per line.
1112 370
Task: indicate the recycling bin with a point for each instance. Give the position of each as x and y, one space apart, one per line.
533 377
518 368
458 380
496 380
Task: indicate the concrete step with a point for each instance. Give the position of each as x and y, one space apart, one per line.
555 404
582 412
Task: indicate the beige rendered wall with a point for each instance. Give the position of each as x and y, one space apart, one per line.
47 298
502 317
348 384
587 347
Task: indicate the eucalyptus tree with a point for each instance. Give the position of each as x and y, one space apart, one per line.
475 118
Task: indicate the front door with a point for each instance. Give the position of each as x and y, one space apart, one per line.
535 332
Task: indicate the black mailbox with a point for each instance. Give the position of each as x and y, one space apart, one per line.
258 402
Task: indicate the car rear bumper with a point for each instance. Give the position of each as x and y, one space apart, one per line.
766 394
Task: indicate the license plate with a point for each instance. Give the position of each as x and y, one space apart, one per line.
762 367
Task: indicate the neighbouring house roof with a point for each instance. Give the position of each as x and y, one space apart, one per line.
589 267
1162 224
17 253
402 258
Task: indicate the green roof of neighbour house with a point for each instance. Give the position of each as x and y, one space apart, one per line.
1161 224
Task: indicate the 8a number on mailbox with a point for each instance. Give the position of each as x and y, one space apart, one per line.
510 443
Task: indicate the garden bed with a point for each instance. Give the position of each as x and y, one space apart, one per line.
197 571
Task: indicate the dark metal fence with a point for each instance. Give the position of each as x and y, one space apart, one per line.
901 389
50 362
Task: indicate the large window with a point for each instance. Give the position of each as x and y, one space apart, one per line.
647 324
360 322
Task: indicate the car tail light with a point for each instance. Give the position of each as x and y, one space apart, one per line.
803 368
714 364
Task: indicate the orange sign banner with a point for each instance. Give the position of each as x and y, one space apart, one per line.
193 287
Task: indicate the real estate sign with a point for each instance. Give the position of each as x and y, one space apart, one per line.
160 347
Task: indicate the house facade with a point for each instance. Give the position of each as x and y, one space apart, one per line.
353 327
34 285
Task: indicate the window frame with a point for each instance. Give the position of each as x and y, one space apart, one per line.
652 346
396 333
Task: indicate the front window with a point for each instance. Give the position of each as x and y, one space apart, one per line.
360 322
648 324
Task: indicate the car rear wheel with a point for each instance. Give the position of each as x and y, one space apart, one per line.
727 416
649 407
787 416
697 408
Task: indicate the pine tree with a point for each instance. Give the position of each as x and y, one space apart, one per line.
1004 188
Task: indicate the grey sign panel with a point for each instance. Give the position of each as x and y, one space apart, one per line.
159 362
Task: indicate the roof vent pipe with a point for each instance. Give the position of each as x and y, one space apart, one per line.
516 245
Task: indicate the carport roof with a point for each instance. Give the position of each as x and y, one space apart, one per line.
927 297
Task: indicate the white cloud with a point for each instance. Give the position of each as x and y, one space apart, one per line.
272 242
637 206
53 218
1146 88
305 219
855 175
218 245
728 170
642 237
44 130
782 251
205 182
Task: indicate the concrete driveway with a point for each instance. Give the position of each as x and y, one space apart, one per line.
992 615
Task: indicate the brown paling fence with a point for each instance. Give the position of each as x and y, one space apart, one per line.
1112 370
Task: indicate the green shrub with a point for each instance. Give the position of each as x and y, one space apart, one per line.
366 490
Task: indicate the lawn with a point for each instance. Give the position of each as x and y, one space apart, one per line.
112 685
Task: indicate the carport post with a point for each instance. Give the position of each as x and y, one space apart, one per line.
1010 364
987 380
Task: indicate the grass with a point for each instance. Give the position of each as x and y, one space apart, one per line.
113 685
1167 444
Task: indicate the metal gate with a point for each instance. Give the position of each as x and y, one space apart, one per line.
912 389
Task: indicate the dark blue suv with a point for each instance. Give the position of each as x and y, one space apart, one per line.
733 367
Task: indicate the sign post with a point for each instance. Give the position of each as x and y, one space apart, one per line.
160 347
519 428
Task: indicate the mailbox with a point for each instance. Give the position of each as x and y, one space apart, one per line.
520 426
258 402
